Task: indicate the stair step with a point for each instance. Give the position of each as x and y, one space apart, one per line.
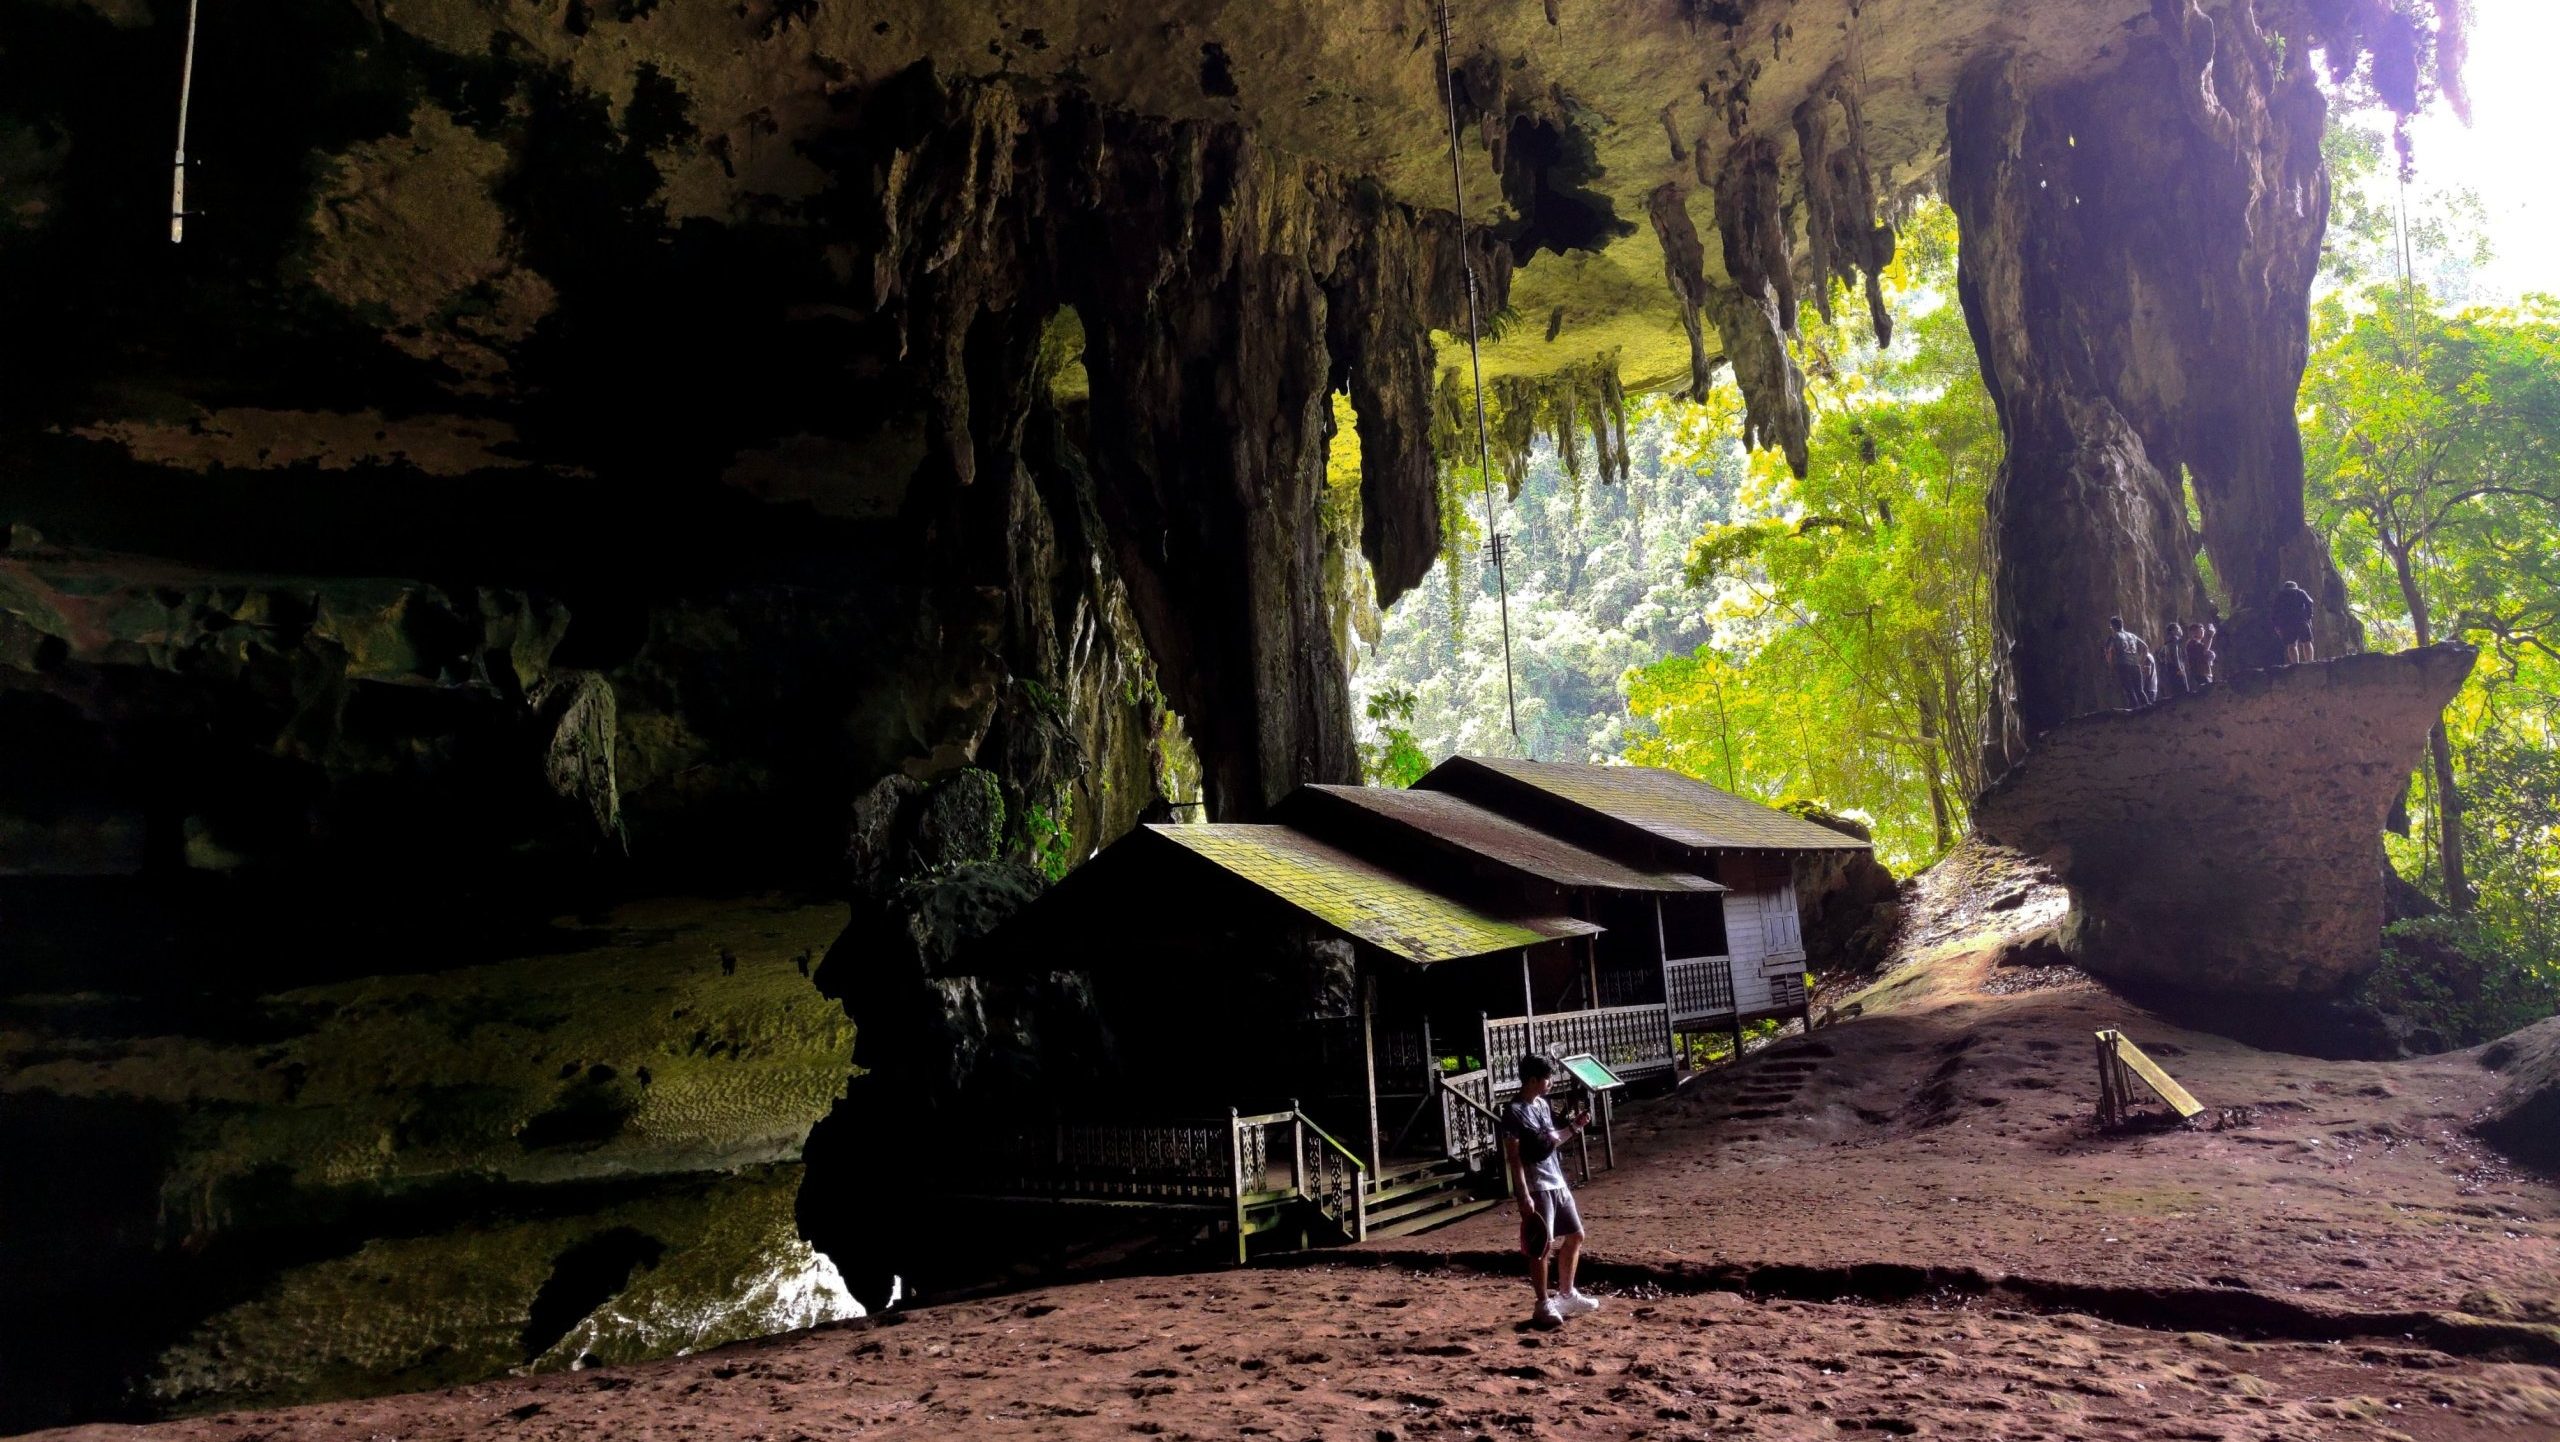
1416 1171
1437 1182
1416 1205
1425 1221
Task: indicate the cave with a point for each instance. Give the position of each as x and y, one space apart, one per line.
765 491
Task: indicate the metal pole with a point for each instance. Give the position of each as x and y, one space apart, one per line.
178 175
1475 365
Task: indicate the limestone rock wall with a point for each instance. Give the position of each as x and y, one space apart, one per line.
2138 248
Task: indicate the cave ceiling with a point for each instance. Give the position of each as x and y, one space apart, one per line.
1573 113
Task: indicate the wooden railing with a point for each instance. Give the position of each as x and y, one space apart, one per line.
1469 1124
1634 1041
1177 1163
1627 988
1322 1171
1700 988
1403 1053
1234 1165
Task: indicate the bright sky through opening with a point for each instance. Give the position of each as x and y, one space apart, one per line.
2506 154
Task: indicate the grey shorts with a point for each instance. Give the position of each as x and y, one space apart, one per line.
1557 1217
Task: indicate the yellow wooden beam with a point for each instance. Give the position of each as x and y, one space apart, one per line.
2161 1083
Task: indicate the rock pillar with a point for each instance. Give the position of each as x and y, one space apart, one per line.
2138 251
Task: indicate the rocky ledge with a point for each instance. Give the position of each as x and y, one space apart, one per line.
2228 842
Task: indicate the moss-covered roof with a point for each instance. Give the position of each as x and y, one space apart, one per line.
1360 899
1480 831
1665 804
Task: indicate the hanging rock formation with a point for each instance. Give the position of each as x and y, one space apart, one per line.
1224 294
2138 248
2223 843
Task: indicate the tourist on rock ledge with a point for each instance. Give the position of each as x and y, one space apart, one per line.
2199 655
1550 1224
2293 623
2125 652
2173 670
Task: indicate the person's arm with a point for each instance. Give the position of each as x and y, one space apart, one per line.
1518 1176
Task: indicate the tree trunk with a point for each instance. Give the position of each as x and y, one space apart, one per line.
2448 796
1933 754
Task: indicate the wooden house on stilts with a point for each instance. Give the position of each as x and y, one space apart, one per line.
1315 1019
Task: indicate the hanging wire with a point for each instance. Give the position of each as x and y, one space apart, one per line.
178 175
1475 365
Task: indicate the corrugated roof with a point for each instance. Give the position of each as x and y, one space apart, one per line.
1496 837
1356 898
1666 804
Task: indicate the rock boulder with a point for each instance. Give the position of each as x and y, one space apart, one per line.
2525 1119
2225 842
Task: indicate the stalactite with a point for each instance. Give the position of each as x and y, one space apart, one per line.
1842 235
1187 249
1519 410
1756 313
1559 418
1684 259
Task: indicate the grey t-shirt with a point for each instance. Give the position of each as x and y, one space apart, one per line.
1533 1125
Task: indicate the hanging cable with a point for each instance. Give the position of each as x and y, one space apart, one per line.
178 176
1475 365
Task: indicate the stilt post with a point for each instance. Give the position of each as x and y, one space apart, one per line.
1369 1066
1235 1169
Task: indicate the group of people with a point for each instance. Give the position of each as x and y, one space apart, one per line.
2188 665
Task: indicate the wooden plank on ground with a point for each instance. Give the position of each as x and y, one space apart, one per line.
2160 1082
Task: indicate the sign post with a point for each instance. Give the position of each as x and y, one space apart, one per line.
1602 1086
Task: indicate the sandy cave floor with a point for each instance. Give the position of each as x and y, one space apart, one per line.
1904 1225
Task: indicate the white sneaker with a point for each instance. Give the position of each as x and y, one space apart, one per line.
1577 1303
1549 1314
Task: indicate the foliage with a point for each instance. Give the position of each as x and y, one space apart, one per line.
2431 437
1051 834
1851 606
1706 611
1394 758
1595 590
2447 226
2453 978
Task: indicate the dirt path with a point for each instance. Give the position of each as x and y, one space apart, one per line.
1903 1226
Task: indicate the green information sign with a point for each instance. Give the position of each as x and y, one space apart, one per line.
1588 1070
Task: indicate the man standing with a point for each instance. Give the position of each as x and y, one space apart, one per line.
1550 1224
2200 655
2294 609
2173 661
2125 651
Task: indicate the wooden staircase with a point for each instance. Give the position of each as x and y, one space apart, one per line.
1423 1195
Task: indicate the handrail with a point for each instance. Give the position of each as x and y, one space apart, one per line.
1441 1080
1329 1139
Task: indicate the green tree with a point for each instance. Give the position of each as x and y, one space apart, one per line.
1851 606
1393 757
2432 452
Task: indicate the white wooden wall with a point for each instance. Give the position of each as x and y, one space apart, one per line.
1761 932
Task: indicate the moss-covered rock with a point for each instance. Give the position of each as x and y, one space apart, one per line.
339 1188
